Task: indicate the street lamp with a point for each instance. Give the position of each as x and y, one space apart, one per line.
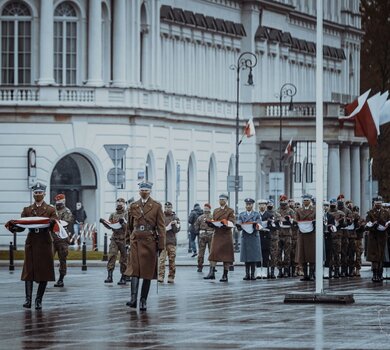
287 90
247 60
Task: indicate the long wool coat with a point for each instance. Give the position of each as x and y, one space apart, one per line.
377 239
250 242
38 252
142 260
306 241
222 243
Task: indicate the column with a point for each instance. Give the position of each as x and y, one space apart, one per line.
364 163
95 44
46 53
355 178
119 44
345 176
333 171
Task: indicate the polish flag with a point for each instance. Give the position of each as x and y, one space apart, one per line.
366 114
289 150
249 130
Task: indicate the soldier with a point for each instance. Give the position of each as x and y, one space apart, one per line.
287 216
306 238
339 218
38 255
172 226
359 229
118 241
61 245
347 239
147 241
222 244
265 237
294 238
377 218
205 234
273 225
329 229
249 222
195 213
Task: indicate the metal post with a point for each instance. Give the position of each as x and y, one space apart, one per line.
105 256
15 248
280 133
84 256
11 257
370 178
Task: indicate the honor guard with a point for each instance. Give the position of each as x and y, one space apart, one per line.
265 238
147 240
248 223
328 229
205 234
273 226
61 244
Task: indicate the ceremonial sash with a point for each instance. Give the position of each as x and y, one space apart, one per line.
305 226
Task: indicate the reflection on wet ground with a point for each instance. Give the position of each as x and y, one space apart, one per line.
193 314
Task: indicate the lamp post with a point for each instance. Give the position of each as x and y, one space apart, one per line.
287 90
247 60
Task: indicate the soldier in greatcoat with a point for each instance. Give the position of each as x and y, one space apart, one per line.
147 240
306 238
377 220
38 254
222 243
60 245
250 238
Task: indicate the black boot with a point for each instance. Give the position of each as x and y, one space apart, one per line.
40 292
253 271
374 275
144 294
286 272
134 292
200 268
109 277
268 273
293 271
224 276
380 274
272 273
280 274
336 272
122 281
311 272
60 282
211 275
28 285
305 273
246 278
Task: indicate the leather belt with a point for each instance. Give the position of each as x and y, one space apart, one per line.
38 230
144 228
206 231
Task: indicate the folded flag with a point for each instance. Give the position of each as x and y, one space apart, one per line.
112 225
220 223
39 222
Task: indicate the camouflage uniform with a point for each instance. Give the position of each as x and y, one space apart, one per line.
60 245
170 248
285 237
347 241
118 242
336 240
205 236
274 250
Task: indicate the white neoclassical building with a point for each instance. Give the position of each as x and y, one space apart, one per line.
97 95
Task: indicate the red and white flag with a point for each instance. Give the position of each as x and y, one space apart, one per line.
289 149
384 115
249 130
366 115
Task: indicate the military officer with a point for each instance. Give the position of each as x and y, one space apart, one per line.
222 243
287 216
294 237
249 223
147 240
172 226
377 219
205 233
38 255
359 229
118 241
306 237
61 245
328 230
273 225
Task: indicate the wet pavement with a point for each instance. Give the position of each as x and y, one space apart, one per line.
192 313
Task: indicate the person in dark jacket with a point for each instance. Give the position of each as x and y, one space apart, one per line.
79 218
195 213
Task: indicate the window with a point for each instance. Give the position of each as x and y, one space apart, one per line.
65 44
16 44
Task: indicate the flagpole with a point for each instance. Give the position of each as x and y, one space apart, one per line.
319 151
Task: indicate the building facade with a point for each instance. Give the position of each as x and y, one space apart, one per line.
98 95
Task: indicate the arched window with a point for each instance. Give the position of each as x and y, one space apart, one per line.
191 182
106 44
212 177
143 45
65 44
16 44
149 168
169 178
